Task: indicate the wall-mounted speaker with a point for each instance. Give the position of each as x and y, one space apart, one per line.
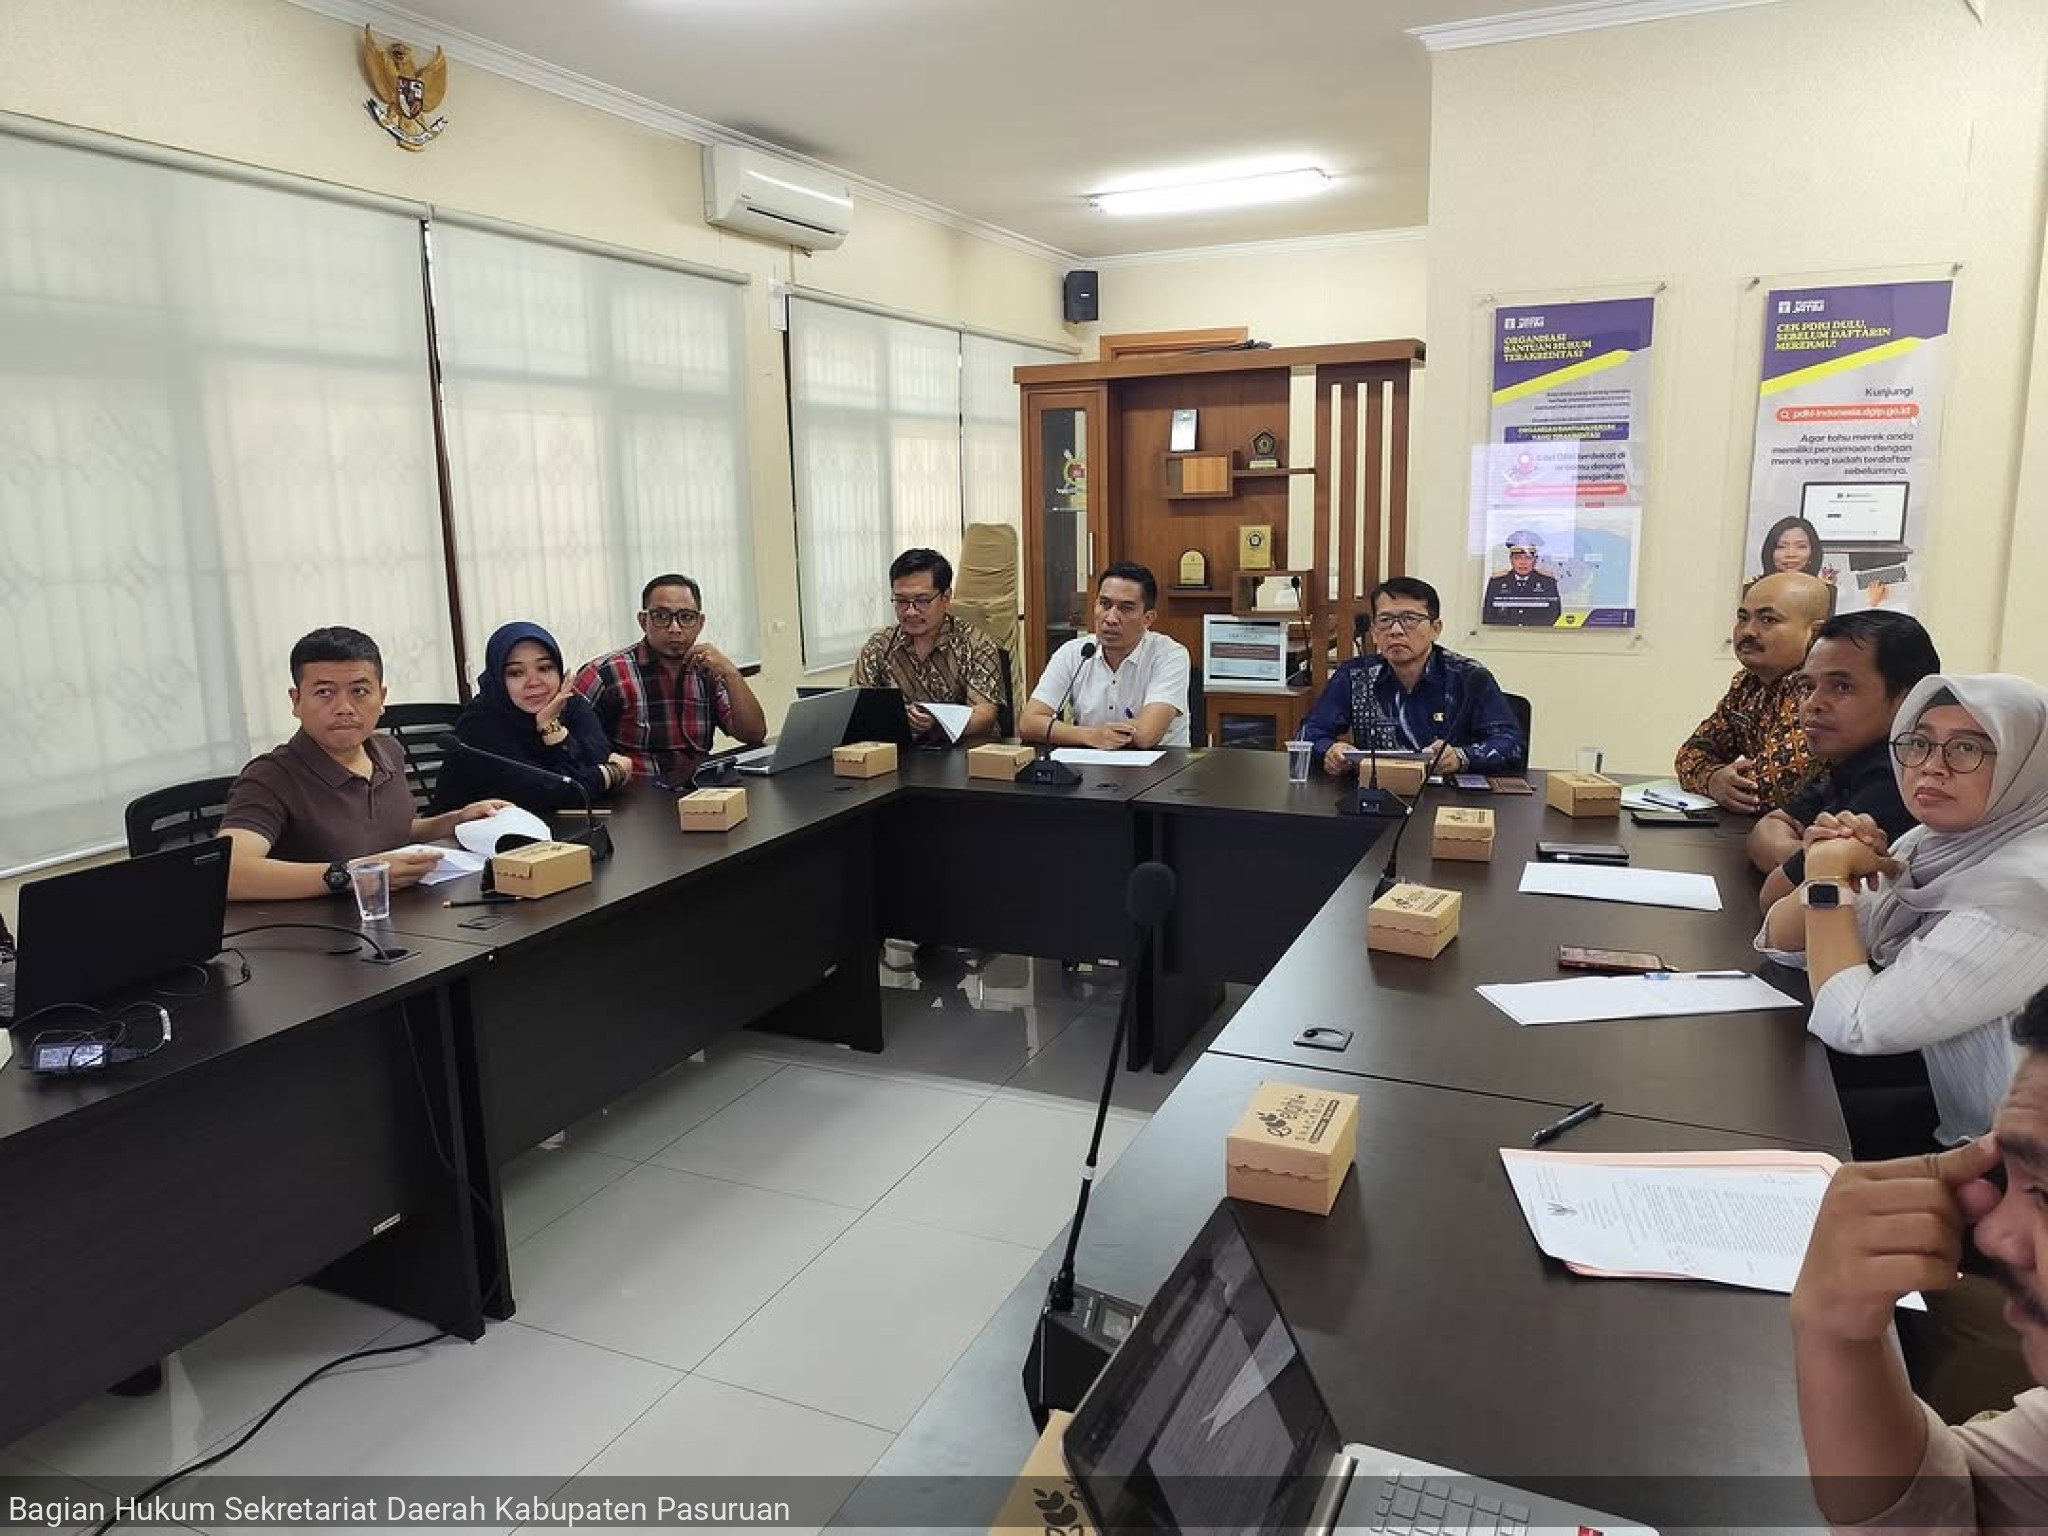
1082 295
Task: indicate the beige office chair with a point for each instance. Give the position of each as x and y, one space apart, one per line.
987 594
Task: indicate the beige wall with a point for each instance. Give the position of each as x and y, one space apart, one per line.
1289 293
1824 139
267 83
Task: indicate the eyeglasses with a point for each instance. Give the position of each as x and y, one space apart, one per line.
1959 754
1399 620
920 600
1516 550
672 618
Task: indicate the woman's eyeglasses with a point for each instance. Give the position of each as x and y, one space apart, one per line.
1959 754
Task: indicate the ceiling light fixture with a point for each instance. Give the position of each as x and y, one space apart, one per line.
1231 192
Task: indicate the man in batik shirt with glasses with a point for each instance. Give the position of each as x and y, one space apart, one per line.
928 655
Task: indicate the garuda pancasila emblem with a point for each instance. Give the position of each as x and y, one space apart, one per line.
407 91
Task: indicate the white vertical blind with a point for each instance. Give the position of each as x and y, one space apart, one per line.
992 470
901 433
215 434
596 420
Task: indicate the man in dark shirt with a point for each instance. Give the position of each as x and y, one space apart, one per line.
1860 667
1415 695
336 793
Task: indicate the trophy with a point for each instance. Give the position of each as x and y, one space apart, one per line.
1265 452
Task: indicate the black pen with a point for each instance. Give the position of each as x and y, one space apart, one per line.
482 901
1557 1128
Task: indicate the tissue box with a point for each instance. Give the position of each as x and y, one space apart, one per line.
1463 832
864 759
1044 1498
1402 775
1292 1147
1582 794
999 760
1414 920
540 869
712 810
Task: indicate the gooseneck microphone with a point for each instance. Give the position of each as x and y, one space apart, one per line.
1079 1328
1043 769
595 835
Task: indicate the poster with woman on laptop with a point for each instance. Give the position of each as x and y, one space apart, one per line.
1848 431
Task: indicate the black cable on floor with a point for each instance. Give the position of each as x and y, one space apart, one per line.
250 1434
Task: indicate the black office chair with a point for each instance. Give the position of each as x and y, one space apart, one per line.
1519 708
417 728
183 813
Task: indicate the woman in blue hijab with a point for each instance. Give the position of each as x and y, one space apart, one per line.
525 710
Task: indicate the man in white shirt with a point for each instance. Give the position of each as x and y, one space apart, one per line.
1132 693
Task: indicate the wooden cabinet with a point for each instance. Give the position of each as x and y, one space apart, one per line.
1103 482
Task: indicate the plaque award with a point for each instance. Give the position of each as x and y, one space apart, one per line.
1194 569
1255 547
1265 452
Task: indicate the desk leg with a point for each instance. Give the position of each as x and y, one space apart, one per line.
426 1266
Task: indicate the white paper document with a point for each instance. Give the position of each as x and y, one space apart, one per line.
1664 995
1613 882
1663 795
455 863
481 836
1735 1218
952 718
1089 757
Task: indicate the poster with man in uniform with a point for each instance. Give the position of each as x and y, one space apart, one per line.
1523 594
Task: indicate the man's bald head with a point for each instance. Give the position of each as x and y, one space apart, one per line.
1776 621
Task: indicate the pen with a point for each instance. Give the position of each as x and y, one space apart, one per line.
480 901
1665 800
1558 1127
1698 975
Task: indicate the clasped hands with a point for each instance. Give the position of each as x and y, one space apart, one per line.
1850 847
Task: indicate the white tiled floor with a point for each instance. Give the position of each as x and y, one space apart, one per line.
758 1263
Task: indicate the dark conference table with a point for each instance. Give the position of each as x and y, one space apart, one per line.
1421 1021
775 923
1432 1323
302 1125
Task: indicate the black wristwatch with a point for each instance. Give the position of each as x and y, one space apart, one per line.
336 876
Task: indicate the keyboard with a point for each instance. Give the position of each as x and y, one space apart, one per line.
1412 1504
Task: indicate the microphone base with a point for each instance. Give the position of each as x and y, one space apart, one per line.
1381 804
597 837
1069 1350
1050 774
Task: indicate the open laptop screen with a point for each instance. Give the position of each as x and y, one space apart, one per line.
1855 511
1207 1417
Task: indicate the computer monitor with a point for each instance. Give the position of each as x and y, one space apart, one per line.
1846 513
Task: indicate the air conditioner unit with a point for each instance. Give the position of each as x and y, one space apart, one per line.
777 200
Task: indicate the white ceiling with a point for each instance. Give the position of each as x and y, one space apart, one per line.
1014 111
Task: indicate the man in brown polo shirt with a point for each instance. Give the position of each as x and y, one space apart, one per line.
930 656
336 792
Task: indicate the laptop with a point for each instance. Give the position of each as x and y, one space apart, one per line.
1207 1419
89 935
1858 517
878 715
811 729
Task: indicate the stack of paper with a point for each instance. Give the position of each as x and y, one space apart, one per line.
1735 1218
1090 757
1635 887
455 863
1660 995
1663 795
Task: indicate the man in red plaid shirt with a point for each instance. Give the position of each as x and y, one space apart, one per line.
664 701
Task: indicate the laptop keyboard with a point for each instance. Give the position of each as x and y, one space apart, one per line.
1435 1506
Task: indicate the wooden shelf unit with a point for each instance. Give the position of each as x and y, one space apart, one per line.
1133 504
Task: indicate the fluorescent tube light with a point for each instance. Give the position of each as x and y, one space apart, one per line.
1233 192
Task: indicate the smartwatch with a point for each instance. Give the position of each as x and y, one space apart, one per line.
1825 894
336 876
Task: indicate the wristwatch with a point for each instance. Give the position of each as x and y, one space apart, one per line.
1825 894
336 876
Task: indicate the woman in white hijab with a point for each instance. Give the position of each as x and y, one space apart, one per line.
1934 943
